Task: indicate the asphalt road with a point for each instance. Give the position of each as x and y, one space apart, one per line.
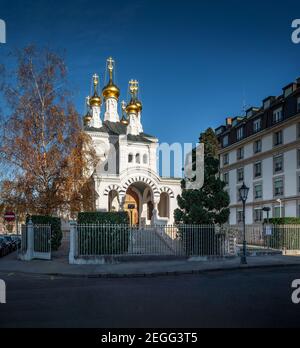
248 298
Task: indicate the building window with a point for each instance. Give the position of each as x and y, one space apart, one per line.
298 104
225 141
278 187
240 133
298 158
137 158
130 158
257 147
240 175
240 153
257 125
278 211
239 216
258 215
298 130
277 115
145 159
298 183
278 138
278 164
225 159
257 170
258 191
226 178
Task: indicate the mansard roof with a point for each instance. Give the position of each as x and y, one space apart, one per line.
118 128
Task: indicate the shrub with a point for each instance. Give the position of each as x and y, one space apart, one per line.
104 233
283 221
55 223
103 218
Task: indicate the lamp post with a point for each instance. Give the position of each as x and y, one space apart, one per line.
243 191
280 207
267 210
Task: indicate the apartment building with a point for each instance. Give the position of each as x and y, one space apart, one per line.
262 149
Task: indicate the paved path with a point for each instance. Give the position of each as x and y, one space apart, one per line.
60 266
251 298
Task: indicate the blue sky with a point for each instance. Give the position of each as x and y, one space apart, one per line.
197 61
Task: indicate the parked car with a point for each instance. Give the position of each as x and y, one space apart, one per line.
11 244
17 240
4 248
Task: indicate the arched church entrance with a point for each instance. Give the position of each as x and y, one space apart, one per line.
132 206
139 204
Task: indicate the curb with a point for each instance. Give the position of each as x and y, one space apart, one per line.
154 274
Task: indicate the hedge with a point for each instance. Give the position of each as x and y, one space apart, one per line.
283 221
55 223
103 218
104 233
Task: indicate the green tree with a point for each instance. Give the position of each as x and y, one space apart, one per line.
208 205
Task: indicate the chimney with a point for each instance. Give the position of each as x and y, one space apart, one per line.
229 121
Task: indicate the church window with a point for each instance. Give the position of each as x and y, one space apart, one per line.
130 158
137 158
145 159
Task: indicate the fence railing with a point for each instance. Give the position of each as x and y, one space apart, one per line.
276 237
35 242
89 240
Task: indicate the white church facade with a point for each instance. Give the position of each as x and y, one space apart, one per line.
127 178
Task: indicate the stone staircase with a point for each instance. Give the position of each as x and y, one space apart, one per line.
148 242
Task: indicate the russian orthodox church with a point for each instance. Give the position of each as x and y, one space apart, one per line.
127 178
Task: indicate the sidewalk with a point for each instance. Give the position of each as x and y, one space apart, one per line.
59 266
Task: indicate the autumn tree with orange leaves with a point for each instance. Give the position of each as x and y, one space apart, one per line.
45 155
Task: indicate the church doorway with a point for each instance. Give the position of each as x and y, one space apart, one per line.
132 205
139 204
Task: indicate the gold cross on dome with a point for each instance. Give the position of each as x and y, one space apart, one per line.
95 79
133 86
110 62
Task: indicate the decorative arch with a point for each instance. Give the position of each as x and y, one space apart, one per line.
145 180
167 190
112 188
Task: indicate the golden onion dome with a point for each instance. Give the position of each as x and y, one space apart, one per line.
111 91
95 100
132 108
87 118
124 121
139 105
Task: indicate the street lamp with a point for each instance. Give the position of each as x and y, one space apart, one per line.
243 191
267 210
280 207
